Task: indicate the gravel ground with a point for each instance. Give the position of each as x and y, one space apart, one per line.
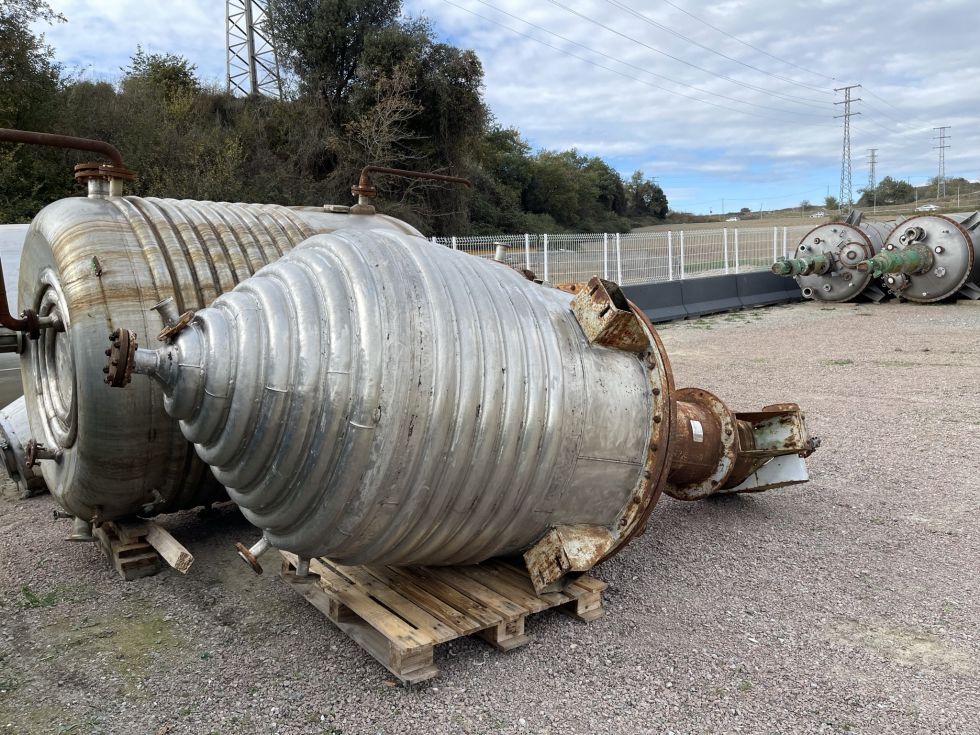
850 604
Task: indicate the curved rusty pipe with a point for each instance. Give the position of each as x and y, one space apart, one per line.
29 321
63 141
364 190
364 186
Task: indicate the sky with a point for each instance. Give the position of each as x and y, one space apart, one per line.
726 103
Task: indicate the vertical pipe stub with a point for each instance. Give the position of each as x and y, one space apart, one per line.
81 531
250 555
173 322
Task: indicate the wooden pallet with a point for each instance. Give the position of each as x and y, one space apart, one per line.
399 614
141 549
130 554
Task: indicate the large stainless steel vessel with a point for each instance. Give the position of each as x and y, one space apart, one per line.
931 257
376 398
90 264
15 432
11 246
824 261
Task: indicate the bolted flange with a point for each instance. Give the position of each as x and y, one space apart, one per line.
122 348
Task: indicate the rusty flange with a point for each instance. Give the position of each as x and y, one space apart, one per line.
32 450
728 438
633 521
95 170
121 352
248 557
172 330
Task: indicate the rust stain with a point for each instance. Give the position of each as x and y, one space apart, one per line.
604 313
564 553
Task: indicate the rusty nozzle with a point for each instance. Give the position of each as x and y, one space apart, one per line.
250 555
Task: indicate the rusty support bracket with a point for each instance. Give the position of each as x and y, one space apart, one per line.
172 330
564 554
605 316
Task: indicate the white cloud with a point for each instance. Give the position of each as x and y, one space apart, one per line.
101 36
917 58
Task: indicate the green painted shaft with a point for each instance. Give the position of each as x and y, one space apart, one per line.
801 266
909 261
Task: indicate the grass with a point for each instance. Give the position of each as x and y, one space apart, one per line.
843 361
33 600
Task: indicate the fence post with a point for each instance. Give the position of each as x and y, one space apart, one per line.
736 250
784 242
527 251
453 240
433 239
724 237
682 254
605 255
546 258
619 262
775 243
670 257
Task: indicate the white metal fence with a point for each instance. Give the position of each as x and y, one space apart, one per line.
639 257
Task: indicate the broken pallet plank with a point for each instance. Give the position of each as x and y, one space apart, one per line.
172 551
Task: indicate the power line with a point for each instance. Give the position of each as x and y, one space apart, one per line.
637 67
879 98
650 21
790 98
749 45
846 187
603 66
941 179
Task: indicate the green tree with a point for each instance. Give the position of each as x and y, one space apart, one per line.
500 169
831 203
322 42
888 191
29 75
645 198
172 73
30 80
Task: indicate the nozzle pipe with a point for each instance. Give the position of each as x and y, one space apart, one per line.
250 555
909 261
805 266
